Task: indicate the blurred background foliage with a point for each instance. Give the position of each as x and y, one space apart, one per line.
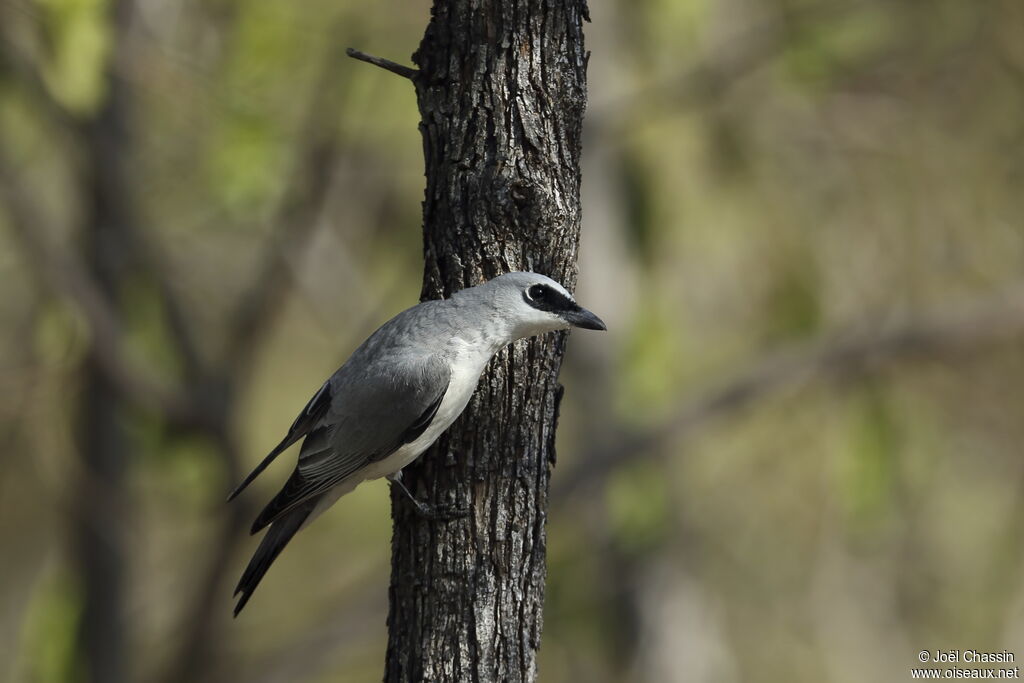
796 456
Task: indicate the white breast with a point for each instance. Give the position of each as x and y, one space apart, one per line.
467 366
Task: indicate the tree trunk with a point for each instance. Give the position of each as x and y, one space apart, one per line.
101 499
501 90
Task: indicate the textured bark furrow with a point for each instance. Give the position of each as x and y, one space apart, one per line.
501 91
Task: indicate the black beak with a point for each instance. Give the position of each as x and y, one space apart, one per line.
581 317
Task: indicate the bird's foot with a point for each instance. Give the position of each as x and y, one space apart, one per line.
440 513
444 513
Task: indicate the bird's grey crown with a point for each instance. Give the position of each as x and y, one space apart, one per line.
488 313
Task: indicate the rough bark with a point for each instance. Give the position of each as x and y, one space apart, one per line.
501 89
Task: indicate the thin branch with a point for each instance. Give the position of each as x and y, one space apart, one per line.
179 322
996 320
386 64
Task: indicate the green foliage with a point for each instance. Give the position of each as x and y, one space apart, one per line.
77 38
652 364
640 225
819 54
639 505
61 337
189 470
146 333
792 307
868 468
245 163
50 630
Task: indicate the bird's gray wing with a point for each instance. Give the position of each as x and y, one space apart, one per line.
372 414
306 422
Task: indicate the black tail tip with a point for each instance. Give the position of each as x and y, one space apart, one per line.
235 491
241 604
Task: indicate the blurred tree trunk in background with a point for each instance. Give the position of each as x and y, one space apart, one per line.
100 504
501 90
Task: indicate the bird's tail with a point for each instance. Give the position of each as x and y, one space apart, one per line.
276 538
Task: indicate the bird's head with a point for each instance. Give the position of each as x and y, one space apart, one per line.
535 304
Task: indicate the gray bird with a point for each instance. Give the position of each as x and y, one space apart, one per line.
396 394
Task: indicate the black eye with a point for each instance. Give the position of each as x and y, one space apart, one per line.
537 292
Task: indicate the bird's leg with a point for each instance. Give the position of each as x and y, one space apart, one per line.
425 510
396 478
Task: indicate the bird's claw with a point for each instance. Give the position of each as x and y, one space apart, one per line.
442 513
